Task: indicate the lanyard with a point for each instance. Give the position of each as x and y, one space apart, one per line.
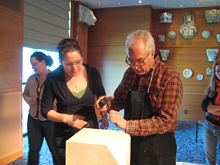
38 97
151 78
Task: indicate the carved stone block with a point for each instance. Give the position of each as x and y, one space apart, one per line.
212 16
164 54
188 29
161 38
166 18
212 54
90 146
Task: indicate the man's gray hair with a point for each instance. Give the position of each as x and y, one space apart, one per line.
143 35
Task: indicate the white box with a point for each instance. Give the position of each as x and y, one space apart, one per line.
95 146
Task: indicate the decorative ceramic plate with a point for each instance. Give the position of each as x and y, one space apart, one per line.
171 34
187 73
199 77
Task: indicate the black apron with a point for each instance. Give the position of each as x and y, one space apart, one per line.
157 149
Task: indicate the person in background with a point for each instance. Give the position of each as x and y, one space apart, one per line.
211 105
38 126
75 86
150 94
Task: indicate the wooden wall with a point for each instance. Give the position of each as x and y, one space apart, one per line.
11 38
188 54
106 49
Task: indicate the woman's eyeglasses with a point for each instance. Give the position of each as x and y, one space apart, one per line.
34 64
69 65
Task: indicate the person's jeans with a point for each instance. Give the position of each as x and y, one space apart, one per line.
211 135
60 144
37 130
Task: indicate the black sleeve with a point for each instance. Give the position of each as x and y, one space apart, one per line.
205 103
99 88
47 98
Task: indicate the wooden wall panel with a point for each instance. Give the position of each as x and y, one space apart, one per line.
11 34
83 39
110 66
14 6
95 57
11 38
113 67
10 121
114 24
191 103
10 71
188 54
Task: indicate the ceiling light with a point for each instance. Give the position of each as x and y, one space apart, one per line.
118 3
99 4
140 1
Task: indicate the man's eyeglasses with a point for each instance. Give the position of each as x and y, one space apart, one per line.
138 62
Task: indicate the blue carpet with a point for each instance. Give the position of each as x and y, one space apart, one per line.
188 150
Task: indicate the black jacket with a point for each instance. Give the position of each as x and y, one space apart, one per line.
55 87
209 117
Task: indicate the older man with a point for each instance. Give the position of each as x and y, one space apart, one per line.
150 93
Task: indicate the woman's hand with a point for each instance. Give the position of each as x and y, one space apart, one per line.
32 102
214 109
217 113
75 121
117 118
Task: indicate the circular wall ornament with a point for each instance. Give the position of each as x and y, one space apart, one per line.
200 77
206 34
187 73
172 34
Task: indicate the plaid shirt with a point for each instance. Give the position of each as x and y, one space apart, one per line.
165 94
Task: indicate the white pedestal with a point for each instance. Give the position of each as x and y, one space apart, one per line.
95 146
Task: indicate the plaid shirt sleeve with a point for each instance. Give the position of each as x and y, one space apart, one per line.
165 102
120 94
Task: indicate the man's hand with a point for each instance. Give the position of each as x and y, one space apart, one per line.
105 107
104 121
117 118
